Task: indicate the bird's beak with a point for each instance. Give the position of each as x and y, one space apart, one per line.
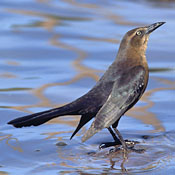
153 27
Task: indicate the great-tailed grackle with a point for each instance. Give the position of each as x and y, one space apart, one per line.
117 91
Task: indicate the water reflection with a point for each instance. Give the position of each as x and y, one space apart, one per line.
156 155
162 3
11 142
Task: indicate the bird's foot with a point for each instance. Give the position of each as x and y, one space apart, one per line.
124 150
108 144
130 144
127 149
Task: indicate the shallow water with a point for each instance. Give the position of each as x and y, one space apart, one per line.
52 52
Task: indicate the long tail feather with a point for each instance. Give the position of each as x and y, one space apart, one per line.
42 117
84 119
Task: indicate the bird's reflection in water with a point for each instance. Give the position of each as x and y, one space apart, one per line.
158 149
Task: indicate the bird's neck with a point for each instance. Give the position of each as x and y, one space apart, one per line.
132 57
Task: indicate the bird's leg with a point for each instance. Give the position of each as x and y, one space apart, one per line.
114 136
109 144
127 145
116 142
125 148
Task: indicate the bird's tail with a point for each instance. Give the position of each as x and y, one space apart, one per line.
90 132
42 117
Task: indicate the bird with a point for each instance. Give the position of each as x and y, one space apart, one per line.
118 90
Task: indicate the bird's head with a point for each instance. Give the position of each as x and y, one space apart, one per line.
136 40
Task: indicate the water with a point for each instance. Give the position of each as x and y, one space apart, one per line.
52 52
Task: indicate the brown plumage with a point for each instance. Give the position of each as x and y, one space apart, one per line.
130 80
117 91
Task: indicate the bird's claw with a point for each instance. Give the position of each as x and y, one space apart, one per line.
127 150
130 144
108 144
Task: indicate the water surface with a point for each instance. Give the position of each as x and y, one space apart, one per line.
52 52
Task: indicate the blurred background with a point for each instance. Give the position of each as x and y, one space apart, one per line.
52 52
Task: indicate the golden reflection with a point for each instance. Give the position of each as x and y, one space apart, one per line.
83 71
72 121
4 137
55 135
166 81
48 23
12 63
3 173
142 112
104 12
7 75
43 1
107 40
16 148
81 5
8 138
153 157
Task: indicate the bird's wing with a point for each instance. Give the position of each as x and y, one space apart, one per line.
126 91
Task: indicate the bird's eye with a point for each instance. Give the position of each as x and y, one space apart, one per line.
138 33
